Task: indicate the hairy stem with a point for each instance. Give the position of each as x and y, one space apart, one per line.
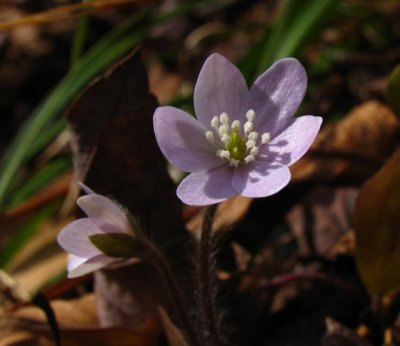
160 263
206 277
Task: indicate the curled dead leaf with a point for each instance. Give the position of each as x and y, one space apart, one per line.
352 149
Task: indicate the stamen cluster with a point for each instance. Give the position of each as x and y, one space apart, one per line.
234 143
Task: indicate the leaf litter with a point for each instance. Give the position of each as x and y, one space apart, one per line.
285 263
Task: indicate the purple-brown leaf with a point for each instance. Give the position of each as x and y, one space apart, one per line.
115 154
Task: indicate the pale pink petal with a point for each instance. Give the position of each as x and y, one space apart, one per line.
182 140
90 265
105 213
260 179
220 88
74 238
293 141
207 187
276 95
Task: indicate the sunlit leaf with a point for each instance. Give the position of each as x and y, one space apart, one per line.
377 226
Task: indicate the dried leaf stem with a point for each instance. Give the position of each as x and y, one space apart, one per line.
206 278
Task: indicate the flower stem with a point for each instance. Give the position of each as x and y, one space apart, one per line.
160 263
206 277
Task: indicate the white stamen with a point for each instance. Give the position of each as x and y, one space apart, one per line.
253 135
224 154
234 163
250 115
250 144
210 136
248 126
224 119
249 158
254 151
223 130
215 122
265 138
235 125
225 138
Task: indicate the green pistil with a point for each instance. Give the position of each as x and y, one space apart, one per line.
236 146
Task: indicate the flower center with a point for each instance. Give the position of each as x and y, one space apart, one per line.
236 144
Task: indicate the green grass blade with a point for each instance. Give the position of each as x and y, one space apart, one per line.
68 88
39 180
47 135
304 26
114 45
298 22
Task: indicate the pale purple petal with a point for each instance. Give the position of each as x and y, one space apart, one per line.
207 187
90 265
74 262
85 188
220 88
106 214
292 143
260 179
74 238
182 140
276 95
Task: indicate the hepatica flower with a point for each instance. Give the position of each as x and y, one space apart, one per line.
107 226
243 140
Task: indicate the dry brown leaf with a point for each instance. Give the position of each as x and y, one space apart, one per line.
79 312
40 273
353 149
337 334
142 336
32 330
322 219
68 11
376 224
229 213
54 190
41 259
241 255
345 246
18 338
10 292
163 84
174 335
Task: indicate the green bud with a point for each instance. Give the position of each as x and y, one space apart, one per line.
117 245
